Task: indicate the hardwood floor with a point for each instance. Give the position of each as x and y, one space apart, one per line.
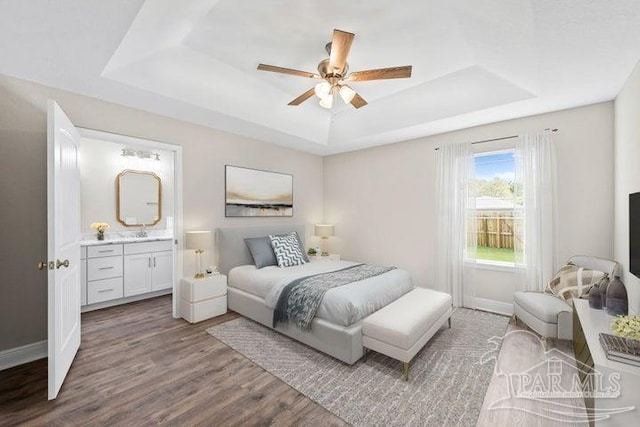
139 366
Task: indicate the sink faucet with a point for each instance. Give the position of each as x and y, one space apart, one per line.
142 232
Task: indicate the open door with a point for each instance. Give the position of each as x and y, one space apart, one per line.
63 220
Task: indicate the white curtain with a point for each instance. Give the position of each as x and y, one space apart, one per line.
536 181
455 254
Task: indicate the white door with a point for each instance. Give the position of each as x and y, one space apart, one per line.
162 270
63 210
137 274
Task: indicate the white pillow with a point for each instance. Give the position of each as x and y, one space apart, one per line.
287 250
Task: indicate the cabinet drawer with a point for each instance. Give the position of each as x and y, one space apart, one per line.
147 247
194 312
104 268
103 250
194 290
83 282
104 290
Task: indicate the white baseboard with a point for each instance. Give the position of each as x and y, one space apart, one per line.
23 354
120 301
492 306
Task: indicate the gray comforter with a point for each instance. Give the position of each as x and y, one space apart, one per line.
299 300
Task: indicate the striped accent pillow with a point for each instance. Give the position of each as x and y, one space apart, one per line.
287 250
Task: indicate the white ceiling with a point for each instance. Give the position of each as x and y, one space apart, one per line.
474 62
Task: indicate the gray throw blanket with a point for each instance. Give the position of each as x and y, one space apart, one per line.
299 300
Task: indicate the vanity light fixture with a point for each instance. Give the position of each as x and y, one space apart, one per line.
141 154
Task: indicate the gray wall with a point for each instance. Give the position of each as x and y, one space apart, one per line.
382 200
23 178
627 176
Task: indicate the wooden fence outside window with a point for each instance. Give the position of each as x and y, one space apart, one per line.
498 229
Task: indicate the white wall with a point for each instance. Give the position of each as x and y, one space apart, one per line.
627 176
100 164
382 199
23 289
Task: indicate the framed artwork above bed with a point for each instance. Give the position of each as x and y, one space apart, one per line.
253 192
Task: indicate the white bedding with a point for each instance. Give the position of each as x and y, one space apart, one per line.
342 305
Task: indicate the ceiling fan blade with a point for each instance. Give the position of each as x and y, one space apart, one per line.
290 71
340 46
380 74
299 100
358 101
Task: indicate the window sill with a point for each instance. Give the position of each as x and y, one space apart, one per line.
482 264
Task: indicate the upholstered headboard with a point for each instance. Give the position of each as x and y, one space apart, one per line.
232 251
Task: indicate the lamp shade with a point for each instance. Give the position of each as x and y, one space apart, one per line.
347 93
322 89
327 101
198 240
324 230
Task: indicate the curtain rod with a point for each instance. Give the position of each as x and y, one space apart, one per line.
500 139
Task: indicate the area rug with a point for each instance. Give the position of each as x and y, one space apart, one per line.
521 352
447 384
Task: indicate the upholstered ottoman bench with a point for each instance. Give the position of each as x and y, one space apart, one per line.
403 327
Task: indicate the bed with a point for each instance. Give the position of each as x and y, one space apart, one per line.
336 329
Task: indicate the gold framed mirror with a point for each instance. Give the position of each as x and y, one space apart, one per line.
138 198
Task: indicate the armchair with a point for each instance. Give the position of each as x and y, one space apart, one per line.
548 315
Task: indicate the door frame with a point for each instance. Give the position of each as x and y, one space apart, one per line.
178 230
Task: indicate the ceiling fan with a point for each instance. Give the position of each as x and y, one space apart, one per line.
334 71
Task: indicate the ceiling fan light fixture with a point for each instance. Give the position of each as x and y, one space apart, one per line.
322 90
334 71
347 93
327 101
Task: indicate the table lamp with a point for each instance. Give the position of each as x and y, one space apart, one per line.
325 231
198 241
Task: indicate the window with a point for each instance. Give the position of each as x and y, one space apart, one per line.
498 210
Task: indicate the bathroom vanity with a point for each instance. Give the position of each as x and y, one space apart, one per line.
118 271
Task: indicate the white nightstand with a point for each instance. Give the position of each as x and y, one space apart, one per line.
330 257
202 299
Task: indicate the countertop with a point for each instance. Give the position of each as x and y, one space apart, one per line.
118 240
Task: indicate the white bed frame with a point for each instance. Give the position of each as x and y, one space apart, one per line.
343 343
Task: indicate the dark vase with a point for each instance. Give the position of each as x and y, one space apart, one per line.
595 298
603 291
617 300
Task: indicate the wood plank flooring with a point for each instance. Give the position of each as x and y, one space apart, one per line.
139 366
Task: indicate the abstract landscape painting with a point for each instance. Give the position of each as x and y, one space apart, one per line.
252 192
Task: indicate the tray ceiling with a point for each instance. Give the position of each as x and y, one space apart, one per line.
195 60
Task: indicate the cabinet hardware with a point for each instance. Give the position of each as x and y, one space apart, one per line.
106 268
102 291
149 262
64 263
105 251
154 261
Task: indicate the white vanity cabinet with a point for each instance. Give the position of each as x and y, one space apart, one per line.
104 273
116 273
83 275
148 267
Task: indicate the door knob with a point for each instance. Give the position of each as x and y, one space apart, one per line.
64 263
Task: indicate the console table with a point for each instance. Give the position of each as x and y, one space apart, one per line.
588 323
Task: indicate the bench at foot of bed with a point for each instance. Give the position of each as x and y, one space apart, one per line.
403 327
